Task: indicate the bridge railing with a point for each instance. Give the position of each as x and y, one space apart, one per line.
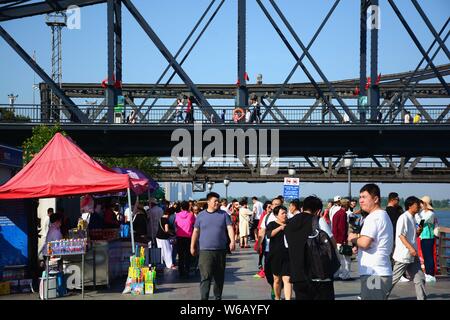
301 164
166 114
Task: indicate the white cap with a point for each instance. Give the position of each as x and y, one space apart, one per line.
337 198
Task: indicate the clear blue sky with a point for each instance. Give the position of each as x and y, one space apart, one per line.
214 58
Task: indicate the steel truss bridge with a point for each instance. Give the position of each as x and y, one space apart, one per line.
312 169
387 150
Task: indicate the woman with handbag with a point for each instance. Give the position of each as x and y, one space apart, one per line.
427 240
163 240
339 230
279 254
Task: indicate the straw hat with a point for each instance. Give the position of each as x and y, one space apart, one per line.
427 201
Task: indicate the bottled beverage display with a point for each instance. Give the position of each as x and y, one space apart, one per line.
67 246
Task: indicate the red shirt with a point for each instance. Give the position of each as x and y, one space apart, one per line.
340 226
261 219
189 106
326 215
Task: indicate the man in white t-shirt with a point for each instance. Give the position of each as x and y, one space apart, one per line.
224 205
405 253
374 246
257 212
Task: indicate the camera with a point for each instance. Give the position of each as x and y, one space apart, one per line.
356 228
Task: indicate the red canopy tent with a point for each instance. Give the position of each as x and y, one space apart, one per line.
61 168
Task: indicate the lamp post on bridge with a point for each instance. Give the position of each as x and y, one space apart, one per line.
226 182
12 99
348 163
291 169
210 185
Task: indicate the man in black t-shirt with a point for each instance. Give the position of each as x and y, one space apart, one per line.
393 209
297 231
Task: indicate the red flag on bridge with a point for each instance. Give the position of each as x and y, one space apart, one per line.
378 79
117 83
369 81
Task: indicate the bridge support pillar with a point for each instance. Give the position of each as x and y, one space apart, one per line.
114 26
374 90
242 91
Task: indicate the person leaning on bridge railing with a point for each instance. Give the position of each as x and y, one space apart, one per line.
417 118
238 115
190 110
132 117
256 110
407 118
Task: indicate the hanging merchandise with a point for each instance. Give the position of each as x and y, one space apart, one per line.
67 247
87 204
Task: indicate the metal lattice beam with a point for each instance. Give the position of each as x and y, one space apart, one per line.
297 58
297 64
69 104
313 62
418 45
206 107
180 50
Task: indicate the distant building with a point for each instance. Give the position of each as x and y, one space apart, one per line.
176 191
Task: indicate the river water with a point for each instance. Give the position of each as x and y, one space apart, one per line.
443 218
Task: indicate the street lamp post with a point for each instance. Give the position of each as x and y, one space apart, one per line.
348 163
12 99
210 185
226 182
291 169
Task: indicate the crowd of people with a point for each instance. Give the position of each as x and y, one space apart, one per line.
184 113
302 248
389 245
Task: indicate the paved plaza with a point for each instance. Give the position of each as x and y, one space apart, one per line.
240 285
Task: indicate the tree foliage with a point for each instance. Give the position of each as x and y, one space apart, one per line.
7 115
148 165
41 136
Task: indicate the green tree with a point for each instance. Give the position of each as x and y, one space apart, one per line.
40 137
6 115
148 165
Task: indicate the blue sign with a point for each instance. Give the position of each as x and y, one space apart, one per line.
13 241
13 233
291 192
291 188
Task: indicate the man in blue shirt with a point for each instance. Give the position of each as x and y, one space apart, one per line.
209 234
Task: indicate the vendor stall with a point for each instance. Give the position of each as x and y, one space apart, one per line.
61 168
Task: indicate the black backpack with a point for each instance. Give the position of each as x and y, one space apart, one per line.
322 260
